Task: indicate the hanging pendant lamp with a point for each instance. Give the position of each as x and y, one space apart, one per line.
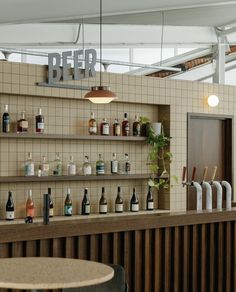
100 94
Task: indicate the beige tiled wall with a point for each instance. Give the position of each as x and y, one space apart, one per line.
137 94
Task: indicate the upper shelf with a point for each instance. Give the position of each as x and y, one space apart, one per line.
71 137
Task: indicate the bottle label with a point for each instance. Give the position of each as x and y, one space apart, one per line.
119 207
117 130
127 167
134 207
72 169
40 126
87 170
114 166
100 169
10 215
93 128
150 205
127 129
50 212
87 209
68 210
105 129
102 208
29 169
23 124
137 130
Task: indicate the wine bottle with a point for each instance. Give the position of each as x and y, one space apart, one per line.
136 127
125 125
29 165
149 201
134 203
22 124
39 122
10 214
6 120
85 203
100 166
71 166
51 209
103 203
92 125
114 164
87 167
68 204
116 128
104 128
30 205
119 202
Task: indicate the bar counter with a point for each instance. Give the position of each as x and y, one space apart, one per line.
185 251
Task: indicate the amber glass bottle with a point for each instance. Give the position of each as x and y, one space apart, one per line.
125 125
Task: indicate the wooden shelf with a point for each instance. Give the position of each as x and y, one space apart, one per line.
71 137
14 179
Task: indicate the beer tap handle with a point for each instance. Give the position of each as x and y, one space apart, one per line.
184 174
193 173
214 173
205 173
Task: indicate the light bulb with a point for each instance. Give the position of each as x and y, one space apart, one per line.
213 100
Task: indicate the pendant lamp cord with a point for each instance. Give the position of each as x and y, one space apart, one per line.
162 35
100 42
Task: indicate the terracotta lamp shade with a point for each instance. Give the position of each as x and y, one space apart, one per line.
100 94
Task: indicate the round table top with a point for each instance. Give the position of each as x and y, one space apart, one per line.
51 273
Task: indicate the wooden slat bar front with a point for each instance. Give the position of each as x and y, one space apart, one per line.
170 252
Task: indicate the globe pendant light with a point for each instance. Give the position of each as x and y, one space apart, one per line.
100 94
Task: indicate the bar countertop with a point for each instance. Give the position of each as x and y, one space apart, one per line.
93 224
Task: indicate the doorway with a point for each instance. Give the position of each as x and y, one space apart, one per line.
209 143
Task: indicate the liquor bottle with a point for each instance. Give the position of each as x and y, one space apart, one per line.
29 165
125 165
119 202
68 204
134 203
51 210
43 167
22 124
10 214
149 201
87 167
57 165
104 128
125 125
39 122
136 127
30 205
114 164
71 166
85 203
100 165
103 203
116 128
6 120
92 125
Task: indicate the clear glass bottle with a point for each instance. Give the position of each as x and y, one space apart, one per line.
149 200
136 127
29 165
125 125
85 203
10 214
92 125
119 206
125 165
114 164
71 166
30 205
104 128
39 122
68 204
6 120
87 167
134 203
51 207
103 203
100 165
116 128
57 165
22 124
44 167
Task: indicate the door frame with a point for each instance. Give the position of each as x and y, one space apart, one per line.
229 132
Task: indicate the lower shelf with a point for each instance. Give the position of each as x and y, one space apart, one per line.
13 179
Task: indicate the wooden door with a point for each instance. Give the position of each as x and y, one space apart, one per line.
209 144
